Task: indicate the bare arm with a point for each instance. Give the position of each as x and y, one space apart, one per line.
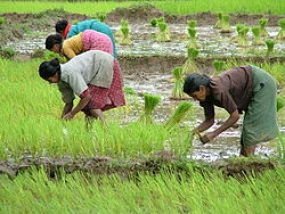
67 108
82 103
233 118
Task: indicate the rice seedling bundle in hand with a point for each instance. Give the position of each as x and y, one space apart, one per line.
150 102
190 65
177 91
179 114
281 33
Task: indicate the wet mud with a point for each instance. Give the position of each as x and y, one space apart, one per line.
147 66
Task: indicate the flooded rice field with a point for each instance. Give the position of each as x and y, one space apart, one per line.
212 44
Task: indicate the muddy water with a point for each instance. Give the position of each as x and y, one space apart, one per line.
212 44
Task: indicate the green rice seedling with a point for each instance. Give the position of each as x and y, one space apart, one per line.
218 24
125 32
160 19
101 17
219 66
280 103
179 114
242 38
270 46
225 24
262 24
257 40
2 20
192 23
7 53
126 40
163 35
192 34
177 91
239 26
190 65
151 101
281 32
153 22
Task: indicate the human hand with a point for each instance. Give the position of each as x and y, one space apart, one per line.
68 116
207 138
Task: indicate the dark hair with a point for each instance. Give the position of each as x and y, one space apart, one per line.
53 39
194 81
61 25
48 69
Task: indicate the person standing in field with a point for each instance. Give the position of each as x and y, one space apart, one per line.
87 40
247 89
67 30
94 76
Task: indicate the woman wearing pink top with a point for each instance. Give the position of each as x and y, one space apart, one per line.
87 40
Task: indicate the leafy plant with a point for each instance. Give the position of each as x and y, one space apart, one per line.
151 101
179 114
219 65
177 91
257 40
281 32
225 24
190 65
270 46
263 23
163 35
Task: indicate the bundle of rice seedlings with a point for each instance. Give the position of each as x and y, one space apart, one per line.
190 64
219 65
131 95
280 103
262 24
153 22
163 35
257 40
151 101
126 40
101 17
239 26
179 114
242 38
281 32
192 34
177 91
192 23
119 33
270 46
218 23
225 24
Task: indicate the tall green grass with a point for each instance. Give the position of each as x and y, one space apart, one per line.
33 192
180 7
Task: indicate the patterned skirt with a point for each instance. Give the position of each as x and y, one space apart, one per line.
106 98
93 40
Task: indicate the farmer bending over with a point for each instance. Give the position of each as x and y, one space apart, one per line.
94 76
67 30
247 89
87 40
